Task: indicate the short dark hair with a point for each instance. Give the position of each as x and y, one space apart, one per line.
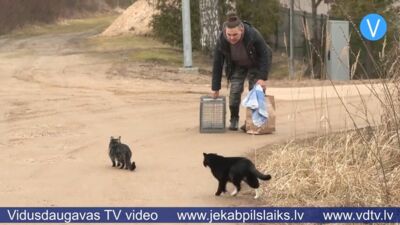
232 20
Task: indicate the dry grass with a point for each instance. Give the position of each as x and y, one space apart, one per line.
334 170
360 167
96 24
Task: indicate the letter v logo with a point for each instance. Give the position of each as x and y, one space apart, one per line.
373 27
373 33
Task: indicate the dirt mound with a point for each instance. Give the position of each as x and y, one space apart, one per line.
135 19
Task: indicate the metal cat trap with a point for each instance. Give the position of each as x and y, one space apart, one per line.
212 114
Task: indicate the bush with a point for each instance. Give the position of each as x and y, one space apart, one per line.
167 25
263 15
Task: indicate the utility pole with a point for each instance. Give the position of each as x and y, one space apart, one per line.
291 51
187 38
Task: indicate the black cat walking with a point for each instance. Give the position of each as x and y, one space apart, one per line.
235 170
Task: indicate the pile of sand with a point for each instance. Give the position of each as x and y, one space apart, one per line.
135 19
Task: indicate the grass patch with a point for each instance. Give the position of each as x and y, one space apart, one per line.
123 42
161 56
97 24
145 49
135 48
280 67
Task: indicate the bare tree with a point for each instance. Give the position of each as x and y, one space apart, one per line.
209 22
314 6
314 68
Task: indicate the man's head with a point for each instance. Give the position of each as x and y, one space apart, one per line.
234 28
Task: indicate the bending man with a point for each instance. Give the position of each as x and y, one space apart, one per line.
245 54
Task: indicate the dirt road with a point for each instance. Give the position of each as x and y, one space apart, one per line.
60 105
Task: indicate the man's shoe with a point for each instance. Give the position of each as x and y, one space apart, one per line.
234 124
243 127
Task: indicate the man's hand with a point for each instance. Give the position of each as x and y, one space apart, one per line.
262 83
215 94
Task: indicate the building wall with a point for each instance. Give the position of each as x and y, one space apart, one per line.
305 5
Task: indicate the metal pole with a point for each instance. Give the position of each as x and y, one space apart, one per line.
291 32
187 38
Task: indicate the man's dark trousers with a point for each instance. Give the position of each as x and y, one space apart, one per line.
236 89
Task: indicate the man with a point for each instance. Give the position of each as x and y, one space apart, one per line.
245 54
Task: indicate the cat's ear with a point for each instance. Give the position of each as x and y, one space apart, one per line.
119 138
111 137
205 154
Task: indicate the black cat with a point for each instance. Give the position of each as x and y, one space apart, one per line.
233 169
120 154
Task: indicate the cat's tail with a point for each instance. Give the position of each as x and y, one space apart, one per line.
133 166
130 165
260 175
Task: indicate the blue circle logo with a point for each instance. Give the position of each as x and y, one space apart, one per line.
373 27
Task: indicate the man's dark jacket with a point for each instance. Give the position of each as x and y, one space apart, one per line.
258 51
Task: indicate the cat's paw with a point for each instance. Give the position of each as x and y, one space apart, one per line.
257 196
234 193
